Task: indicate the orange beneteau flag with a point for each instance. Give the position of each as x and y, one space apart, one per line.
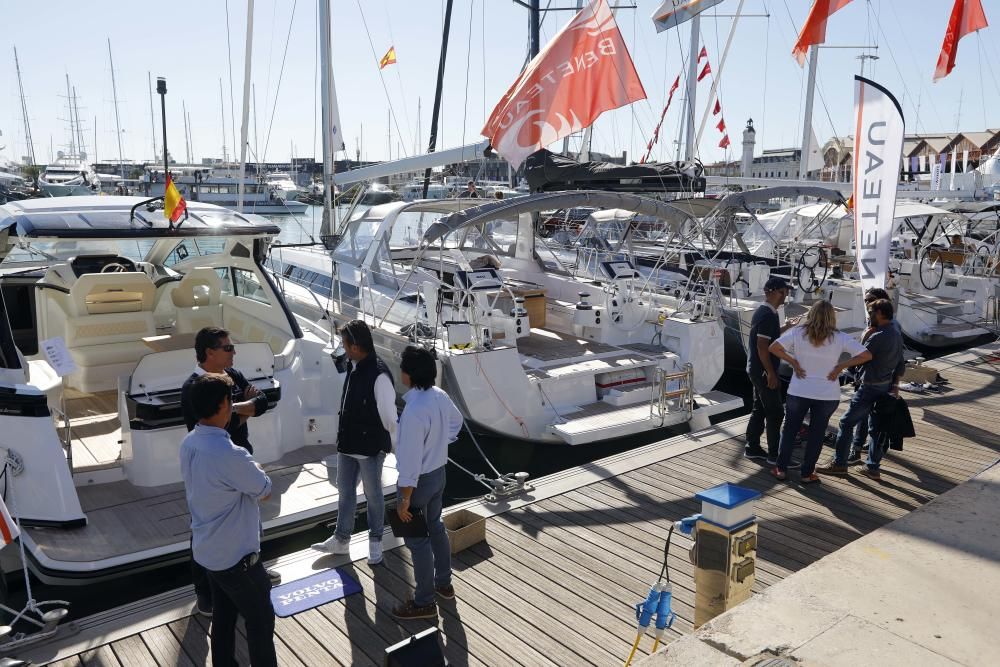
388 59
584 71
173 204
814 29
966 16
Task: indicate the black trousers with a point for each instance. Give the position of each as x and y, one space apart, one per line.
768 411
242 590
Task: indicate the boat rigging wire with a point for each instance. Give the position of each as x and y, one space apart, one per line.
232 106
281 74
385 89
399 78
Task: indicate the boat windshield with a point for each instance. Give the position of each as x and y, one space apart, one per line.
358 237
35 251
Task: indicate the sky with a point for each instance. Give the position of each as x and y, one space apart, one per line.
185 41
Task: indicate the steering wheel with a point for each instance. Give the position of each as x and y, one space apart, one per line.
931 268
977 261
810 262
115 267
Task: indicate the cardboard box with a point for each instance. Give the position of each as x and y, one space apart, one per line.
465 528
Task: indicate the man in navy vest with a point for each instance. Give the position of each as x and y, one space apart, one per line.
367 432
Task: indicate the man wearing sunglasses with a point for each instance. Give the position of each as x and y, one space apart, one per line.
215 353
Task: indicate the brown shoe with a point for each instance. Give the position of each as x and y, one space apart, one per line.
871 474
409 610
832 469
447 592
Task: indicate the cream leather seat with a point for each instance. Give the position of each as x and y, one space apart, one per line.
198 300
108 315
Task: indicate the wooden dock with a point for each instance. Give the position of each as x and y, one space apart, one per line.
556 581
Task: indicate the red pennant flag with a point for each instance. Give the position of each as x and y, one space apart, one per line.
722 125
725 142
717 109
584 71
814 29
703 54
966 16
676 84
705 71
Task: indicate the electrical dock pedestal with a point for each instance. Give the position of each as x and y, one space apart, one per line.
724 554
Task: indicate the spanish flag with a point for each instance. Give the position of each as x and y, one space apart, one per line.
388 59
173 204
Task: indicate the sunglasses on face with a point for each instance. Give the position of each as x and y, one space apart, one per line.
225 348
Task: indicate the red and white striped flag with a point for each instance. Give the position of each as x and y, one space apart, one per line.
702 54
8 529
705 71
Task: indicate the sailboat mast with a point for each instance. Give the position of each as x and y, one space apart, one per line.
152 117
72 118
194 156
187 144
24 111
222 106
807 121
246 104
118 126
79 125
326 86
436 111
692 86
534 24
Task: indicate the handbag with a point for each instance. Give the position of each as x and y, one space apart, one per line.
415 527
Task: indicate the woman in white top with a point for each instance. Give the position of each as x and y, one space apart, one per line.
814 351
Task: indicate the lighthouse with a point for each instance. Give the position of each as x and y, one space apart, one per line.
749 139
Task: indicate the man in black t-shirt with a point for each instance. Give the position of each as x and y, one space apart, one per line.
215 353
762 368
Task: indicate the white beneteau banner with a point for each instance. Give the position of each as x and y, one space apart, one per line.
878 147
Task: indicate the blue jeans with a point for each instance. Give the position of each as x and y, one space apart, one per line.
370 471
858 412
432 554
819 412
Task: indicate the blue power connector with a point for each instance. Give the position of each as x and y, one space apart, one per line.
664 616
644 610
686 525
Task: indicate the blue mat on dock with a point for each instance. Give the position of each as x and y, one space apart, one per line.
312 591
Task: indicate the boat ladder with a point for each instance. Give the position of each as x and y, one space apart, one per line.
672 391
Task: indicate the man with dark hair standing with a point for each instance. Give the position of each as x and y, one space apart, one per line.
429 423
367 432
862 430
223 486
762 368
879 377
215 353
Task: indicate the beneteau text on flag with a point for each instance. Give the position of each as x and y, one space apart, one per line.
878 148
173 204
583 72
814 29
674 12
966 16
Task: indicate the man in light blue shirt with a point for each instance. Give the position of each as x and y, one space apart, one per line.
223 486
429 423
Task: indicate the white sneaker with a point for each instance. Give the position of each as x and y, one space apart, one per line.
374 552
334 545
